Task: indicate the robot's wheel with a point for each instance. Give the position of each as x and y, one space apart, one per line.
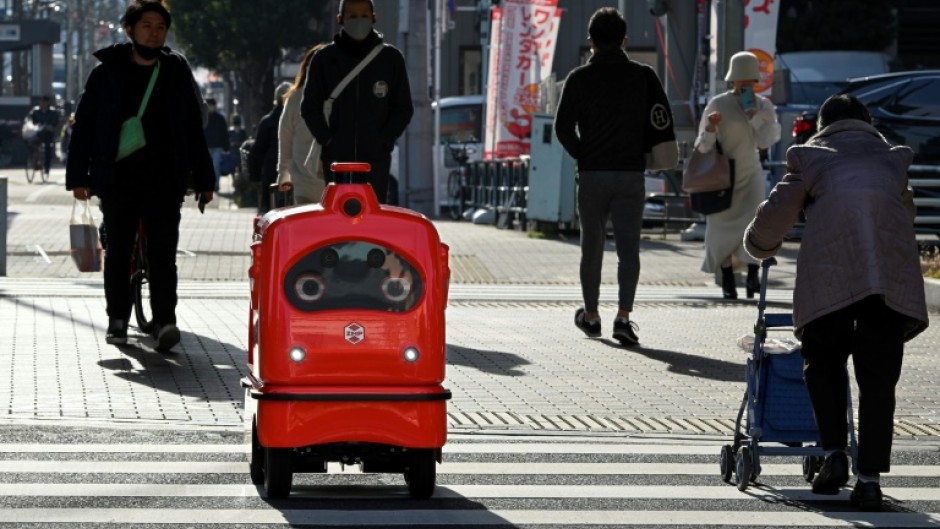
278 473
421 474
726 463
256 461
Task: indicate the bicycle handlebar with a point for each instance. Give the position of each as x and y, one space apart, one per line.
461 150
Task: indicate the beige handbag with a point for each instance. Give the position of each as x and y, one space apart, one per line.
710 171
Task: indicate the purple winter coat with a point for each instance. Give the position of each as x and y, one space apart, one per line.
859 238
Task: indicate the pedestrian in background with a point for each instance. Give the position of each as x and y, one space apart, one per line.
147 186
372 111
743 122
46 118
216 138
236 132
232 161
294 141
859 289
66 137
612 115
262 158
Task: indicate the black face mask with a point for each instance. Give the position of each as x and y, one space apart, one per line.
147 53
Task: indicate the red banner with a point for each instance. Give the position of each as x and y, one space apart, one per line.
522 47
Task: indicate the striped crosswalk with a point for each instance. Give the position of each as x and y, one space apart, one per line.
485 481
458 293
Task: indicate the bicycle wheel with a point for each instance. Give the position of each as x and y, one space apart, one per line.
45 168
140 294
31 164
454 192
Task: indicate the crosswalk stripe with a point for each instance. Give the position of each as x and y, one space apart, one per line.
625 492
463 468
453 448
458 292
426 517
39 448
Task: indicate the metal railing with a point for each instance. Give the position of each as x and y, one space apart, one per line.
932 201
503 185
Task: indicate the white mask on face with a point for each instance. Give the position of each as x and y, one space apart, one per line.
358 28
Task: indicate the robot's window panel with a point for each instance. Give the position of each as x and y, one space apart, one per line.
353 275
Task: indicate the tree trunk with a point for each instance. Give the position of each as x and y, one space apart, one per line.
255 91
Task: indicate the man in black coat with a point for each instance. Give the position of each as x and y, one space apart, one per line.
147 186
615 120
372 111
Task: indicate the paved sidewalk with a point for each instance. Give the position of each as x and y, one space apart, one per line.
515 360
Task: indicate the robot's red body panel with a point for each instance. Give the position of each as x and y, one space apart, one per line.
346 340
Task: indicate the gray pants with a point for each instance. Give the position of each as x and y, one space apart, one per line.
618 196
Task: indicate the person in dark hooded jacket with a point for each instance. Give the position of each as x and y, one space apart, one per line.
373 109
262 158
147 186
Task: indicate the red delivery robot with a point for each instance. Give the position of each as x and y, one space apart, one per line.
346 348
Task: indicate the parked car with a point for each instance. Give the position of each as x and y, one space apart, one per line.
804 79
905 108
667 206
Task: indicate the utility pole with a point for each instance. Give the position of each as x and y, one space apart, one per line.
415 160
730 14
680 58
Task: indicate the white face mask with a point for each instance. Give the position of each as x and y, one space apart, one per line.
358 28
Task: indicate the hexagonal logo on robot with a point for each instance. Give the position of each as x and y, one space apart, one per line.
355 333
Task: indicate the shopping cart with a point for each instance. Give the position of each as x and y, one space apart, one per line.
776 416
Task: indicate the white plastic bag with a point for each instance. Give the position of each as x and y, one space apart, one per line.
779 345
83 235
29 129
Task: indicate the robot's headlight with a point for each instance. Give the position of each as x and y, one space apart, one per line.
411 354
309 287
297 354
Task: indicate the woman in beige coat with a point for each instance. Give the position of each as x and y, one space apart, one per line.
294 141
859 289
741 132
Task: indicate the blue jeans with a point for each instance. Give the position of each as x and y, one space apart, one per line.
216 154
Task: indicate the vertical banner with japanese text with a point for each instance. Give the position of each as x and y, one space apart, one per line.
760 38
522 48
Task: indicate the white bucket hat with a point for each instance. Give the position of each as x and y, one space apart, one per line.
743 67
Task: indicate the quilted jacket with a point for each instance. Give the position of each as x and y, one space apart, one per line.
859 237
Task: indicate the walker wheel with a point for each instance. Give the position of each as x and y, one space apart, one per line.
726 463
421 474
743 470
811 465
277 472
256 461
